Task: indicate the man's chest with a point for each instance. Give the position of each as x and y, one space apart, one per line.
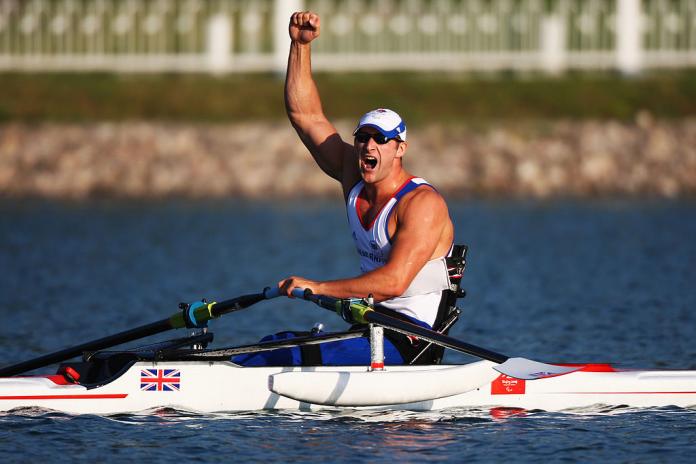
382 214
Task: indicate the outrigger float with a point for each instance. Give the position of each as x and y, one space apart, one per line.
184 374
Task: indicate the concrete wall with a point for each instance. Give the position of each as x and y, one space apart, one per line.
154 160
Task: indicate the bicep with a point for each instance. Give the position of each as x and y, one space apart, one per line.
326 147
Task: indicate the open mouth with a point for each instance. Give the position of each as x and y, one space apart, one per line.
370 161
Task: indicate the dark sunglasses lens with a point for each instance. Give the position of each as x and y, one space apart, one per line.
364 137
380 138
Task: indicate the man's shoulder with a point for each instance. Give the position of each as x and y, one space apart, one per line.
421 198
424 191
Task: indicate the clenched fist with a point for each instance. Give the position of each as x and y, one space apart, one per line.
304 27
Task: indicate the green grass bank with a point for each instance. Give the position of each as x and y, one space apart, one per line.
420 98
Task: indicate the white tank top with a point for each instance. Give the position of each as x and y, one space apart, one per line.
422 298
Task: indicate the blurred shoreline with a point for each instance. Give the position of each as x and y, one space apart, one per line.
537 159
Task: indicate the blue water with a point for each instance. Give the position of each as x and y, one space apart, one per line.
560 281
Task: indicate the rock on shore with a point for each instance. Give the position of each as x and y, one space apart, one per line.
157 160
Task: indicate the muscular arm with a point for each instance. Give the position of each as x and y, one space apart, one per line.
424 232
304 109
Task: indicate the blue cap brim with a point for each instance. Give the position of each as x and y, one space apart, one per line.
396 132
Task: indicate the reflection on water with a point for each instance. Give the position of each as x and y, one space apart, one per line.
345 436
506 413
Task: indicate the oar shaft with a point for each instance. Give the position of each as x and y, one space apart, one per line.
432 336
176 321
408 328
94 345
244 301
519 368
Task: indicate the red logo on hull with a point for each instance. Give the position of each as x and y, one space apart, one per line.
505 385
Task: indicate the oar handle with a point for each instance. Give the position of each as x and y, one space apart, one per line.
271 292
303 293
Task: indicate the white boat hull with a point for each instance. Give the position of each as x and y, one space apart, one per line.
222 386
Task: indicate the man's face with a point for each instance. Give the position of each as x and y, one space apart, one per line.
375 160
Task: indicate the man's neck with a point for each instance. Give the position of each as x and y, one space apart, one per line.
382 190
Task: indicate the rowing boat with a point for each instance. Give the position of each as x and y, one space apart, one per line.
222 386
184 374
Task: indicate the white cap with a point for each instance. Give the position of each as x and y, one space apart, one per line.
386 121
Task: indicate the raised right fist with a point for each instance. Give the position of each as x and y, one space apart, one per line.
304 27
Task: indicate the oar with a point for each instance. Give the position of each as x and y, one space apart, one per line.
197 314
520 368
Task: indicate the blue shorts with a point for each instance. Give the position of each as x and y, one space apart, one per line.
350 352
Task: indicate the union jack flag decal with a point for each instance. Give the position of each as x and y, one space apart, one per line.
160 379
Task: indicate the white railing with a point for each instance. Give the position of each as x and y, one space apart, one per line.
432 35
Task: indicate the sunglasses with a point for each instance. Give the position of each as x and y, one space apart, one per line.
378 137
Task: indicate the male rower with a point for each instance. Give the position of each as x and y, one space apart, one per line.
400 224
